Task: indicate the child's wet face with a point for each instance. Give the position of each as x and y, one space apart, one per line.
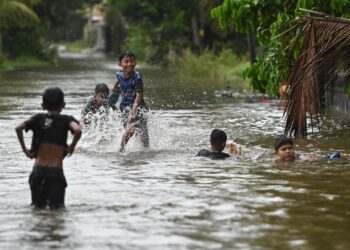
128 64
101 97
286 152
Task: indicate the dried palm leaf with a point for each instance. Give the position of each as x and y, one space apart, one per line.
324 54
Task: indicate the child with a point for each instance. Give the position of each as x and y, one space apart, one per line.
284 150
218 140
49 147
132 105
95 102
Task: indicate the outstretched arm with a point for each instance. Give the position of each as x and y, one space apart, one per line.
19 131
76 131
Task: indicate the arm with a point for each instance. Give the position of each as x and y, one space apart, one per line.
76 131
135 106
19 131
114 96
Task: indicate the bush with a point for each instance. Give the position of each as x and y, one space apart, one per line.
208 67
138 41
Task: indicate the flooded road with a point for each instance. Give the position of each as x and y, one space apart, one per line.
164 197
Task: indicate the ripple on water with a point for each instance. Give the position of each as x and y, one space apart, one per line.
163 197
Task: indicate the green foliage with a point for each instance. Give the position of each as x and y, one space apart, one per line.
14 13
168 23
139 42
347 88
61 19
269 18
21 63
77 45
23 35
208 67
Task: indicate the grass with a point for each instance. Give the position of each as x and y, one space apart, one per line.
22 62
77 46
214 69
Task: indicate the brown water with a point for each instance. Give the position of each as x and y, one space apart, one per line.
164 197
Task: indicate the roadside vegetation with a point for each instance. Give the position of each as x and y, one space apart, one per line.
76 46
23 62
222 69
28 30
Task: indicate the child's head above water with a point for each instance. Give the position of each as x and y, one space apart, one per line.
127 54
218 139
127 61
101 92
284 148
101 87
53 99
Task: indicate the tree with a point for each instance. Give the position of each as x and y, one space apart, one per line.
323 64
173 24
269 18
13 13
273 19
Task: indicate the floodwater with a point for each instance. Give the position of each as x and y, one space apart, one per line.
164 197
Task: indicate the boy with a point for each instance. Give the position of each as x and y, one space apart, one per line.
49 147
132 105
218 140
284 150
95 102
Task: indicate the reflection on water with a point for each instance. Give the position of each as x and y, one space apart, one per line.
164 197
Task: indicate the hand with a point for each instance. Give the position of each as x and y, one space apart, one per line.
132 117
233 149
28 153
69 150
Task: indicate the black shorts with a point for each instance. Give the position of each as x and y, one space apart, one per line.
47 185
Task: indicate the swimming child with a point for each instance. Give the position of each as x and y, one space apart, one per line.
284 150
95 102
132 105
49 147
218 139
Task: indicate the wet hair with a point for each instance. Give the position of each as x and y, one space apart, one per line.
217 137
53 98
101 87
282 140
126 54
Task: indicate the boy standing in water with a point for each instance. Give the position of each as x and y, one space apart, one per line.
218 140
132 105
49 147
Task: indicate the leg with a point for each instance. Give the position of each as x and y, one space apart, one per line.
55 188
144 134
37 191
129 132
142 123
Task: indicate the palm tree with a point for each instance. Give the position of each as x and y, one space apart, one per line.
11 12
323 58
